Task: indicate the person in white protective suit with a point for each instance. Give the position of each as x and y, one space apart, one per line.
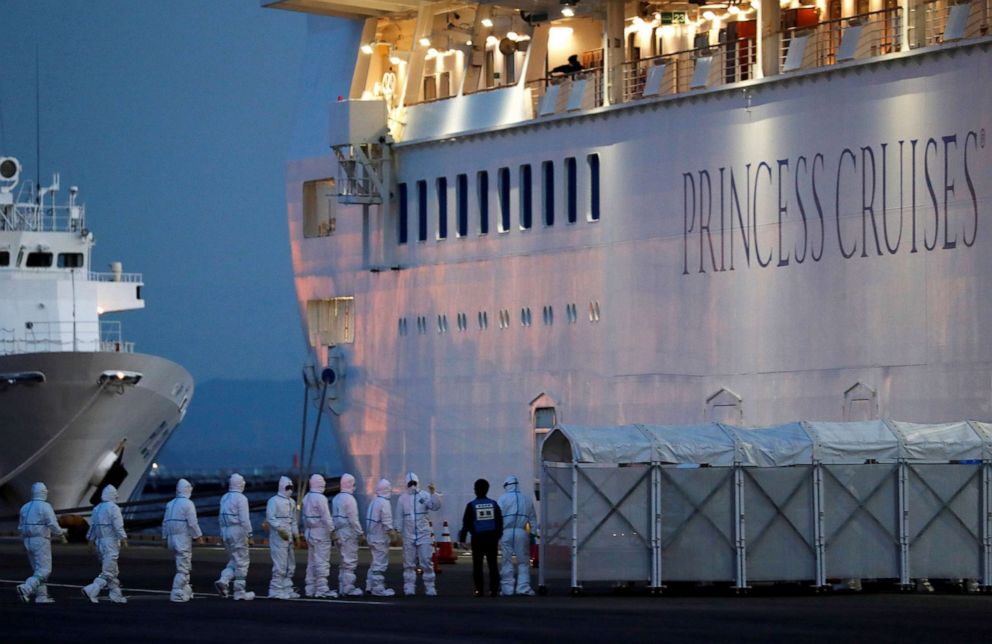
235 530
107 533
349 529
518 511
413 522
379 531
37 527
179 528
318 528
280 512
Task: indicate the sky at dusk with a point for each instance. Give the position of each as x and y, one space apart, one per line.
174 118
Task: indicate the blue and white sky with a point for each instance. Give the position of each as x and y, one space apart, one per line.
174 120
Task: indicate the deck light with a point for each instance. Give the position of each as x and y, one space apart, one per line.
425 42
120 377
487 23
367 48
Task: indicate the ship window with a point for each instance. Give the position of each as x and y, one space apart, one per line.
70 260
39 260
404 231
503 181
4 258
422 211
331 321
482 184
594 311
548 192
593 160
461 204
526 198
571 187
549 315
572 312
318 208
483 320
442 208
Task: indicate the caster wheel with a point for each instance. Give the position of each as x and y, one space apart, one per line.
542 591
576 591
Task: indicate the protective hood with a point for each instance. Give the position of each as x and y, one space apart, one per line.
236 483
39 492
383 488
285 487
318 484
109 494
511 483
184 488
412 478
347 483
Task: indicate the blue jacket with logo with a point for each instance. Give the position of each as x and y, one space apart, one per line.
482 517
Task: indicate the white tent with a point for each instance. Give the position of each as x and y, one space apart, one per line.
796 502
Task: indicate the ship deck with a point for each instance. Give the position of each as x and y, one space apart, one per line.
696 615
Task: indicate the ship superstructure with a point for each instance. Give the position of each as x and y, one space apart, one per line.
78 407
740 212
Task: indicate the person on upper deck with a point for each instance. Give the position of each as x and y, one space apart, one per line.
573 65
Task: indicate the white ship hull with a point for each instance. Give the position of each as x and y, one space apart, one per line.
837 306
64 431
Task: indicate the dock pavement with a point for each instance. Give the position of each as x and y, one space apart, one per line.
600 615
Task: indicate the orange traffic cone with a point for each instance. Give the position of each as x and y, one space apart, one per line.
445 550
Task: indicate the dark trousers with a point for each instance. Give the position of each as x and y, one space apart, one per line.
485 544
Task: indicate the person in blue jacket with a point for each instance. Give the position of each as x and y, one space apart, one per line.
484 521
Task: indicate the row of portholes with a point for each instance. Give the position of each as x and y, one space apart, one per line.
503 319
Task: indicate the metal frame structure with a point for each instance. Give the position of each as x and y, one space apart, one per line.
803 502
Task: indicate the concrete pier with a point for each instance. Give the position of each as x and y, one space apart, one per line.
700 615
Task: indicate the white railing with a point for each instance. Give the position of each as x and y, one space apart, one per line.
881 34
131 278
935 15
47 337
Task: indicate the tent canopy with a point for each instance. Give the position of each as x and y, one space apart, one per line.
798 443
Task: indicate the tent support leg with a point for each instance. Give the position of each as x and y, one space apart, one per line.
576 588
904 580
821 567
741 538
656 585
987 524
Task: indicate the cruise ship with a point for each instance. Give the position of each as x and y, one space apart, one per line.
79 409
524 213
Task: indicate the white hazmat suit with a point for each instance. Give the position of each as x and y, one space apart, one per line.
379 526
518 511
179 528
318 528
107 532
235 530
280 512
349 529
413 521
37 527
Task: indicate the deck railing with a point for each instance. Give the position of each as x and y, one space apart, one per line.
47 337
737 59
935 17
881 33
539 86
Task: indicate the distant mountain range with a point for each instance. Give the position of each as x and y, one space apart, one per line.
246 423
